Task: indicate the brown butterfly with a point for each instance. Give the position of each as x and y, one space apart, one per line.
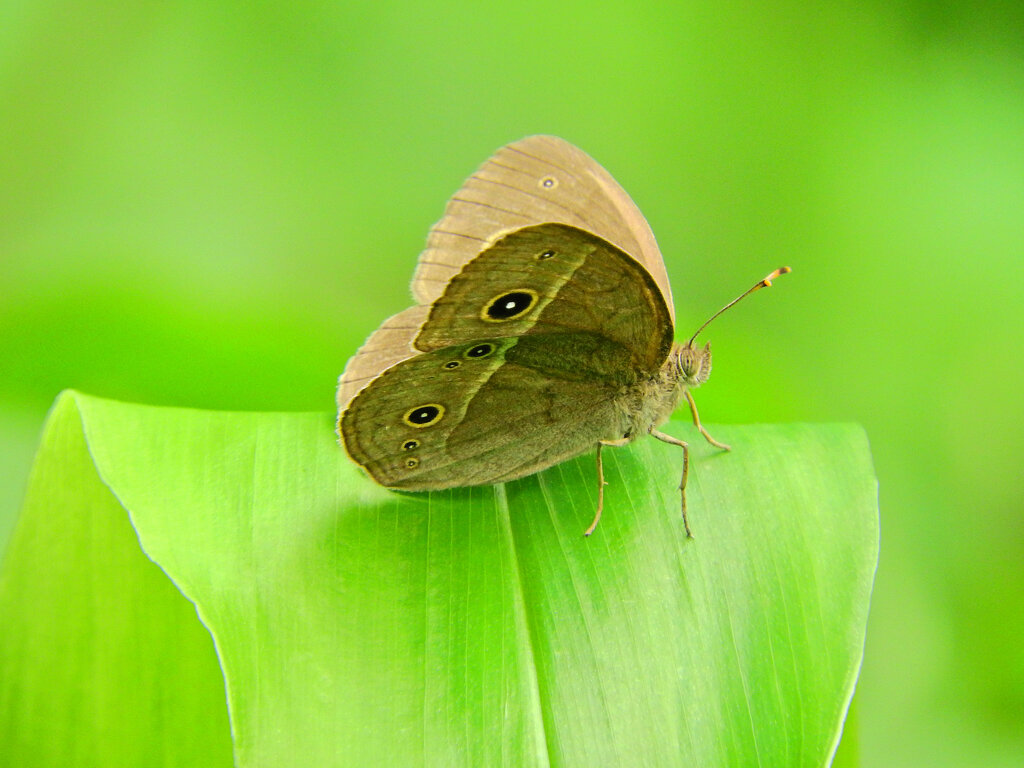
543 327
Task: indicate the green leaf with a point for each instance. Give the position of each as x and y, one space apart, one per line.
351 625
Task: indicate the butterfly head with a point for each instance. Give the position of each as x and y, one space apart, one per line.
693 364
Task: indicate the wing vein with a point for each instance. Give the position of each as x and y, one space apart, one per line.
458 234
492 207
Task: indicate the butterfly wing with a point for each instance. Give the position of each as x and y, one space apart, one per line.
532 181
479 413
554 279
389 344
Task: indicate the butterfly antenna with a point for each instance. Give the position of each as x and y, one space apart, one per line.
765 283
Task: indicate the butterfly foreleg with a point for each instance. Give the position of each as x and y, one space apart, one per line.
699 426
686 471
601 482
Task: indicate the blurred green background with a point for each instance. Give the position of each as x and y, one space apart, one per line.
212 204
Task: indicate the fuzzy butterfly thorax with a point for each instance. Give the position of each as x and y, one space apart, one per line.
650 402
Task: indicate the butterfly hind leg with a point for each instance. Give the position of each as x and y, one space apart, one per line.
686 454
601 482
686 471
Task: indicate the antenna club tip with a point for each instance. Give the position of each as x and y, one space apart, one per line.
767 282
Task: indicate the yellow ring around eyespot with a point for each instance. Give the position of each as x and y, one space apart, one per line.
533 302
411 411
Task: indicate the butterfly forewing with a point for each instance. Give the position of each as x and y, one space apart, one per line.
536 180
555 279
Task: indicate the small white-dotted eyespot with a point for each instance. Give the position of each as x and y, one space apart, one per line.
411 463
478 351
548 182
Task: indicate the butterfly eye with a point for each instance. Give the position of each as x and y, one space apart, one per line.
480 350
412 462
424 415
544 255
452 364
410 445
509 306
548 182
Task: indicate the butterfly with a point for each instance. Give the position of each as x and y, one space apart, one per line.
543 328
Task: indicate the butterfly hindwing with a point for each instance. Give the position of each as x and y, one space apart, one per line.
477 413
389 344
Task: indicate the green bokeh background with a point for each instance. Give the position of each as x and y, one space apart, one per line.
212 204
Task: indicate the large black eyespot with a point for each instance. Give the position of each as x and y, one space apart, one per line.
509 305
424 415
480 350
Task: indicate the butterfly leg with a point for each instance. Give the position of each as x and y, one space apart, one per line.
601 482
686 471
698 425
